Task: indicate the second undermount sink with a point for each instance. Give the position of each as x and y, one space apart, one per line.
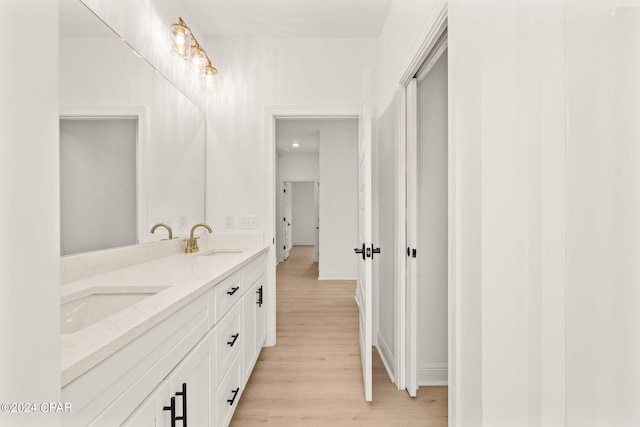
89 309
221 252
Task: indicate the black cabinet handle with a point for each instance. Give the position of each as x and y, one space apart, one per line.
259 292
172 408
233 290
361 251
235 337
183 393
235 394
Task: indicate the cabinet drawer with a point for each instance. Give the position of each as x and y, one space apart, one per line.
254 270
229 341
228 395
227 293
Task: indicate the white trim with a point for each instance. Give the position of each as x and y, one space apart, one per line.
271 113
427 39
305 243
140 112
434 374
336 275
400 293
386 356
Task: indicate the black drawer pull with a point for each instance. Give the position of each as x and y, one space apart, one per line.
235 394
235 337
183 393
259 292
172 408
233 290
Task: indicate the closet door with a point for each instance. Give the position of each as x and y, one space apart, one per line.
411 368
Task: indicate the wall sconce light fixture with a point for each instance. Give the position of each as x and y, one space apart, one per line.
185 46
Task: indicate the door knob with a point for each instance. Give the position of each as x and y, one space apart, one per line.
361 251
374 251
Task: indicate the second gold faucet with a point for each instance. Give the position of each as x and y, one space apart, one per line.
192 242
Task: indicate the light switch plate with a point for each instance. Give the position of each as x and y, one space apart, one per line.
248 222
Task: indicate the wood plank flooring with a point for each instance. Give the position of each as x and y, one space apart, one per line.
313 376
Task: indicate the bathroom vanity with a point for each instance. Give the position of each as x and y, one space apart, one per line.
170 341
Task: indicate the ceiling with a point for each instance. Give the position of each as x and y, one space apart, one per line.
290 18
306 133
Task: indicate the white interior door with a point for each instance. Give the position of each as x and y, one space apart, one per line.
286 197
411 354
316 200
365 250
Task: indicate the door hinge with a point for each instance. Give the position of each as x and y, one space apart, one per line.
284 247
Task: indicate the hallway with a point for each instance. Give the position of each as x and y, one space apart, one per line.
313 375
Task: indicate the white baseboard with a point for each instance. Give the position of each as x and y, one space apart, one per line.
433 374
304 243
386 355
337 276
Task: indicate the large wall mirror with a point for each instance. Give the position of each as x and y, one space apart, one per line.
132 146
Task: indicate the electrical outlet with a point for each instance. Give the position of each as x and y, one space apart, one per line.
229 221
248 222
182 221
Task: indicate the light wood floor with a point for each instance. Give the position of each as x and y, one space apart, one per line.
313 376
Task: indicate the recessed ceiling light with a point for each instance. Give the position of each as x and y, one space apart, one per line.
295 145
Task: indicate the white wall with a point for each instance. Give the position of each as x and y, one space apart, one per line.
506 69
603 213
338 203
29 248
256 73
303 213
297 167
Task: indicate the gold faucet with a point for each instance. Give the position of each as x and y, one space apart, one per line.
192 243
165 226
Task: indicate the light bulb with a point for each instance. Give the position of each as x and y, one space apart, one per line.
209 74
181 39
198 59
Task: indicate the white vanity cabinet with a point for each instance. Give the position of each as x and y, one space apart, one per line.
199 357
151 412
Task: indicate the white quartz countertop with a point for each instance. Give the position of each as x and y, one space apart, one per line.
179 278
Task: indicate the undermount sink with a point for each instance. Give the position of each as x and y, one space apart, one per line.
89 309
221 252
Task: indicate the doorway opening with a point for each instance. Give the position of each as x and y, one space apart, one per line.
316 192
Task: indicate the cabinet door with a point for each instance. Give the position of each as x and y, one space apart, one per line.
261 313
249 329
150 413
189 383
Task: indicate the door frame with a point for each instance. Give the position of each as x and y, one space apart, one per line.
425 42
271 113
316 201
